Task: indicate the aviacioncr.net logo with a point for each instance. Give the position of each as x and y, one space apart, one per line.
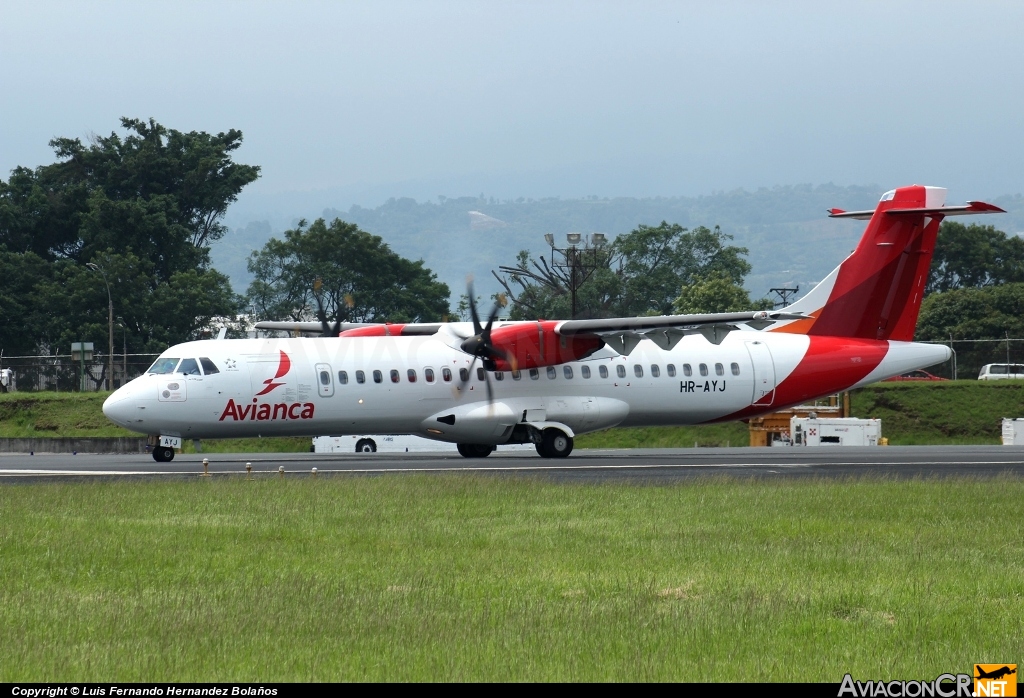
944 686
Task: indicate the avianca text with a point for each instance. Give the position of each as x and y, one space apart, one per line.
266 412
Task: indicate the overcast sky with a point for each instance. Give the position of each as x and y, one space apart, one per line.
355 102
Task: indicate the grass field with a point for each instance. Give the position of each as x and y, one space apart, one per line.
954 412
485 578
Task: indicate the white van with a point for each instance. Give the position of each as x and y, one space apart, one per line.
995 372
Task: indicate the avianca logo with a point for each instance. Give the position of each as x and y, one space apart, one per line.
266 412
283 367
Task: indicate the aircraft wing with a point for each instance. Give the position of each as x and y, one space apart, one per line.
623 334
354 329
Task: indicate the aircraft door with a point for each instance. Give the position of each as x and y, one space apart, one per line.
324 380
764 373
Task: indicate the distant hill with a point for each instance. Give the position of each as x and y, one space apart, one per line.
790 238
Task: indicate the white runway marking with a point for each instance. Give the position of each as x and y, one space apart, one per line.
502 468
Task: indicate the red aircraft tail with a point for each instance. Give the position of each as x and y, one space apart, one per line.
876 292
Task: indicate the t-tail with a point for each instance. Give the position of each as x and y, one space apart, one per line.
876 292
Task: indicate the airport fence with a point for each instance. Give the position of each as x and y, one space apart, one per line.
61 373
969 355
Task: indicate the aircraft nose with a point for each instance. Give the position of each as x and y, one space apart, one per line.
119 407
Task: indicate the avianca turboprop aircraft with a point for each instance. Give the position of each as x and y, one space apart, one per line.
555 379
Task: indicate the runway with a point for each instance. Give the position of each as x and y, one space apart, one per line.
636 465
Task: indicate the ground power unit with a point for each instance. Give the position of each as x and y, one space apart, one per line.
1013 431
839 431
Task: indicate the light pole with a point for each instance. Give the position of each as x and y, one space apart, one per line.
110 323
124 349
578 263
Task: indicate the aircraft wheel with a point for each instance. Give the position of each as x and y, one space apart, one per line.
474 450
556 444
366 446
163 454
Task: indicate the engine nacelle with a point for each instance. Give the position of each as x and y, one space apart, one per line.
382 330
536 344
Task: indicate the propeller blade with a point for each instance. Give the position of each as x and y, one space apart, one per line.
472 306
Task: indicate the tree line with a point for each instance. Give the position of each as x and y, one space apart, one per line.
144 206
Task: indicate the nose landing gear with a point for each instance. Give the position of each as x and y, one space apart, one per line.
163 454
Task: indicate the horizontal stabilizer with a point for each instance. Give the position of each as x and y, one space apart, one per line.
972 208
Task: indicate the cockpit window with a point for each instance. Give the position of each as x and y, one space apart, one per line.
189 367
889 195
163 365
209 368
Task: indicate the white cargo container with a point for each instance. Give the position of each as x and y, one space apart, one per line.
390 443
1013 431
838 431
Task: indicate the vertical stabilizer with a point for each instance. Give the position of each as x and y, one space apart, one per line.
876 292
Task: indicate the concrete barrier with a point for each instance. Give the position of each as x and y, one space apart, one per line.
115 444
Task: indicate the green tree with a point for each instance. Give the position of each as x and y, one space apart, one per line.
973 256
973 313
717 293
640 273
144 206
357 277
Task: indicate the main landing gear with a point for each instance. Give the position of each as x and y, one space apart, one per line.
554 443
475 450
163 454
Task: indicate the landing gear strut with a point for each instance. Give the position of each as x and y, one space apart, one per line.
475 450
554 443
163 454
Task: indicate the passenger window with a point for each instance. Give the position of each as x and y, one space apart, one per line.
325 378
208 366
534 374
428 375
655 371
517 375
552 373
735 369
395 376
671 368
378 377
446 374
463 374
620 371
499 375
567 371
638 370
343 377
360 377
188 367
585 371
719 370
687 371
410 374
603 371
703 369
480 373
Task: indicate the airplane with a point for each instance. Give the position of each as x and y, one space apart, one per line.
995 673
544 382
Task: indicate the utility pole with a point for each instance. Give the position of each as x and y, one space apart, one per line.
110 325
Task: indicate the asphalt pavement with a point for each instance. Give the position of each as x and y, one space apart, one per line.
638 465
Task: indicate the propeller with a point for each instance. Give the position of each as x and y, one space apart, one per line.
328 329
480 346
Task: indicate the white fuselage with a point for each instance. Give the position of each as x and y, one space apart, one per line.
315 388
